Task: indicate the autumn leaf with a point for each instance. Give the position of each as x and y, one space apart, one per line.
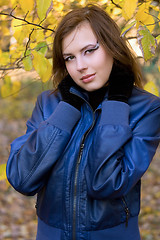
42 47
27 61
6 87
158 39
146 42
127 28
42 66
27 5
152 88
16 86
3 172
129 8
42 8
144 17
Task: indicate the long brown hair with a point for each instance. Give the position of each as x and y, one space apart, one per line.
107 32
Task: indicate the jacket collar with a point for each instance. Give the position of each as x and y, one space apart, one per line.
83 94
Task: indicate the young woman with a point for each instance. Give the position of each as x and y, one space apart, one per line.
88 143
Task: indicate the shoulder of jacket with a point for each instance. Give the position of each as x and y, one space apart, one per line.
142 98
48 95
48 101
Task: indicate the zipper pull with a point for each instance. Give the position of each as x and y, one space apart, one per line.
126 210
80 153
127 216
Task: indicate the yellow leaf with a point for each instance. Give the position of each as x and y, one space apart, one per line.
3 172
27 62
6 87
42 7
143 17
5 58
127 28
27 5
59 7
5 31
16 86
116 11
159 68
158 39
129 8
39 35
152 88
42 66
17 29
13 2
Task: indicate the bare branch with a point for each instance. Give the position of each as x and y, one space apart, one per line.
9 68
26 15
13 10
117 5
28 42
26 21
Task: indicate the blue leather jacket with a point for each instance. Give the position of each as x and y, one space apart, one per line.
86 166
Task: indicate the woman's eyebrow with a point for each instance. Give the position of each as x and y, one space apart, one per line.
81 50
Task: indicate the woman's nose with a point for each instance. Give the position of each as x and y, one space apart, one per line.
81 64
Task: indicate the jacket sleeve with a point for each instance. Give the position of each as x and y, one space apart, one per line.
34 154
119 155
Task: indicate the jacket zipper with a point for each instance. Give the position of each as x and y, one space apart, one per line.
76 176
126 210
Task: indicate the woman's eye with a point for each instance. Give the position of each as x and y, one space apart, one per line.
68 58
92 49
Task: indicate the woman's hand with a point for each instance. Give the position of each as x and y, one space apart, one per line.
67 96
120 83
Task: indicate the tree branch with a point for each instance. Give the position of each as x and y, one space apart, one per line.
117 5
26 21
9 68
28 42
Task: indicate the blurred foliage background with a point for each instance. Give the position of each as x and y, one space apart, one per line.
26 37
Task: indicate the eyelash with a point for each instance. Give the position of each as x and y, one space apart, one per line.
88 50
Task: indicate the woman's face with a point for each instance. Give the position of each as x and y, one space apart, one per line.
86 60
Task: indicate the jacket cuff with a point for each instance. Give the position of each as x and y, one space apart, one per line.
115 112
64 117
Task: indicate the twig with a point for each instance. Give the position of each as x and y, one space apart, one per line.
9 68
26 15
28 42
26 21
117 5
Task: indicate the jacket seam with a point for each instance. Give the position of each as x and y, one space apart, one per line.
41 158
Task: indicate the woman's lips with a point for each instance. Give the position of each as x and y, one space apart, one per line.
88 78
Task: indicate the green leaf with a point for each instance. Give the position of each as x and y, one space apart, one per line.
3 172
127 28
146 42
42 8
42 47
27 61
